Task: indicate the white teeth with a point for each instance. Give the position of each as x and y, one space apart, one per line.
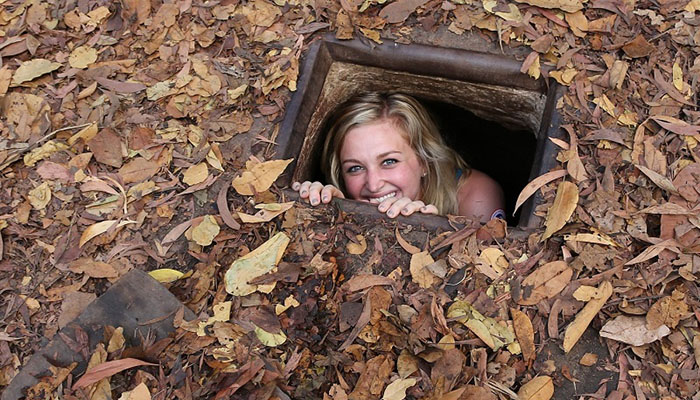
386 196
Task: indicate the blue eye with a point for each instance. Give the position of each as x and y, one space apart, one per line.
390 161
354 168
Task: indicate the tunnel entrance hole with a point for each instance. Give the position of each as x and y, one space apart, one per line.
497 118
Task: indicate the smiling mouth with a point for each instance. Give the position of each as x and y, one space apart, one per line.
378 200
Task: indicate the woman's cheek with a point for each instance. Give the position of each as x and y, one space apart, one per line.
353 186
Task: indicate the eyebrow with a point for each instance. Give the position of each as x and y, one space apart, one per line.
352 160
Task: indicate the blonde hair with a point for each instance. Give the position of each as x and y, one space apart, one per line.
439 186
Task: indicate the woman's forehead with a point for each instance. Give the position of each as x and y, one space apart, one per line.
374 138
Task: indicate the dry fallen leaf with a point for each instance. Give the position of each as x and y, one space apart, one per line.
535 184
357 248
195 174
667 311
204 233
29 70
396 390
539 388
40 196
267 212
545 282
140 392
108 369
632 330
419 273
584 317
254 264
564 205
259 176
525 333
100 228
588 359
81 57
165 275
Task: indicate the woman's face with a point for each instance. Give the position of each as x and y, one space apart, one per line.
377 162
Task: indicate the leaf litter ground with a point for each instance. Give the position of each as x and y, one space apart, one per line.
123 125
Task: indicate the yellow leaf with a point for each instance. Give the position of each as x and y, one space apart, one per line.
86 134
677 76
222 311
195 174
233 94
564 205
165 275
29 70
565 76
40 196
539 388
605 103
481 331
214 160
357 248
290 301
492 262
259 176
81 57
267 212
534 69
205 232
254 264
270 339
100 228
419 273
586 293
45 151
396 390
117 340
584 317
140 392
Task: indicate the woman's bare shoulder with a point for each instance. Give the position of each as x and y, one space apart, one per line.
479 196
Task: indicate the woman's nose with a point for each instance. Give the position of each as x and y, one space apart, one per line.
374 181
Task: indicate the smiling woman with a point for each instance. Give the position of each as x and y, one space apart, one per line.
385 149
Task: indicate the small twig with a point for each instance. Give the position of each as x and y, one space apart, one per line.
19 153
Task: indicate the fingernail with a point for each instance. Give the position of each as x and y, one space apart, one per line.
325 198
390 213
405 210
314 202
303 192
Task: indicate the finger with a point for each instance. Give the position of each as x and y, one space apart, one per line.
304 189
328 192
412 207
398 205
315 193
386 203
429 209
296 186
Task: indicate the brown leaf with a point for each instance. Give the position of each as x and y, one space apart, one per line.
632 330
525 333
107 147
92 268
138 170
545 282
371 382
73 305
224 212
411 249
564 5
119 86
584 317
667 311
564 205
535 184
108 369
638 47
399 10
539 388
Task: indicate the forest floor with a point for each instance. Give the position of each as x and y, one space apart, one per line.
124 124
